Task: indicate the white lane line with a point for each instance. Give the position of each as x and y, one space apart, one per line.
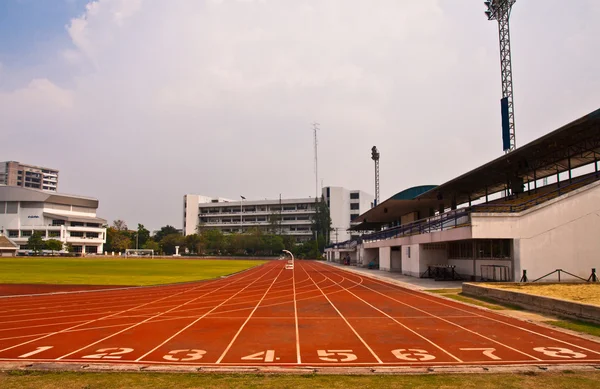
144 321
348 323
247 320
200 318
298 358
403 325
95 320
407 291
449 322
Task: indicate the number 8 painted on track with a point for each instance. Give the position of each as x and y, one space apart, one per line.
557 351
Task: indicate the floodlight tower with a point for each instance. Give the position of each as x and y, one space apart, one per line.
500 10
375 157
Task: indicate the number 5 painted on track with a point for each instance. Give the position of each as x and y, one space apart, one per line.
488 352
190 355
560 352
413 354
347 355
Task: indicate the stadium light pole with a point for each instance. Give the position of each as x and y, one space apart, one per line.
375 157
500 10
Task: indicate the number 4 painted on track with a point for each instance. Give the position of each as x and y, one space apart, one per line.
488 352
266 356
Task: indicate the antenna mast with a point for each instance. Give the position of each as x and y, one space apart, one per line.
315 129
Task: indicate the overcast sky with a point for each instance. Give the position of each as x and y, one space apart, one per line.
138 102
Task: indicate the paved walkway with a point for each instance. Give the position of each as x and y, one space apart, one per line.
405 281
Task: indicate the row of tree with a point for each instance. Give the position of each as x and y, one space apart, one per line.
254 242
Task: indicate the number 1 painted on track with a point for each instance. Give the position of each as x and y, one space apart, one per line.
36 351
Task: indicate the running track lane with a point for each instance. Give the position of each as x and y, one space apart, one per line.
314 315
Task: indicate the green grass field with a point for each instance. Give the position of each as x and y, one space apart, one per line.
66 380
109 271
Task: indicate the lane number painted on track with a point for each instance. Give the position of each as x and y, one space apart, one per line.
336 355
266 356
560 352
108 353
488 352
187 355
36 351
413 354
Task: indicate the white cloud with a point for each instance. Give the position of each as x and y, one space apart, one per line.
164 98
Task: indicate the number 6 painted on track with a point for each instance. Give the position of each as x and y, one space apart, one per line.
413 354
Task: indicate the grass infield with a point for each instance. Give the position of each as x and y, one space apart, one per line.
45 380
111 271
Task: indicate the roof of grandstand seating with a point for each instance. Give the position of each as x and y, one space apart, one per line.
399 204
573 145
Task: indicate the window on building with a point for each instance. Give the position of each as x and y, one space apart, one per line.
58 222
77 224
26 233
492 248
12 206
408 252
354 196
91 235
13 233
288 218
460 250
54 234
77 234
354 206
2 207
353 216
77 249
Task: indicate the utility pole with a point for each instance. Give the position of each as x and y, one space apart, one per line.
500 10
375 157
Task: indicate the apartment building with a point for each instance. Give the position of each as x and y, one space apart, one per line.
70 219
14 173
292 217
345 206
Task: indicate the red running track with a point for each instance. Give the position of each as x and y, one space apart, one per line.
313 315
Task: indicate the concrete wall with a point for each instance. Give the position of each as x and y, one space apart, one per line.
385 258
560 234
537 303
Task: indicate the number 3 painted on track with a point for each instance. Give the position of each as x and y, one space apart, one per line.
559 352
190 355
412 354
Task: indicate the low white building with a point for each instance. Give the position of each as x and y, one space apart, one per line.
345 206
292 217
67 218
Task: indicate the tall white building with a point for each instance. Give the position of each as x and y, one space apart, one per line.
285 217
14 173
67 218
344 206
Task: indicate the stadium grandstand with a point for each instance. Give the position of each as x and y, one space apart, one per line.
535 209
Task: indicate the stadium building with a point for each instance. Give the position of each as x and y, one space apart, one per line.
67 218
536 209
344 207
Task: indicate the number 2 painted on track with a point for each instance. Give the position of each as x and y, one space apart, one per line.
108 353
190 355
36 351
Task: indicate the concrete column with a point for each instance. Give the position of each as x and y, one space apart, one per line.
385 258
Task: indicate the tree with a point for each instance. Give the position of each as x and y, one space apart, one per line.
152 245
35 242
141 236
214 240
54 245
164 231
117 240
169 242
120 225
322 223
193 243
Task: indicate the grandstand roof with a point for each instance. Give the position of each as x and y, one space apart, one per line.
573 145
